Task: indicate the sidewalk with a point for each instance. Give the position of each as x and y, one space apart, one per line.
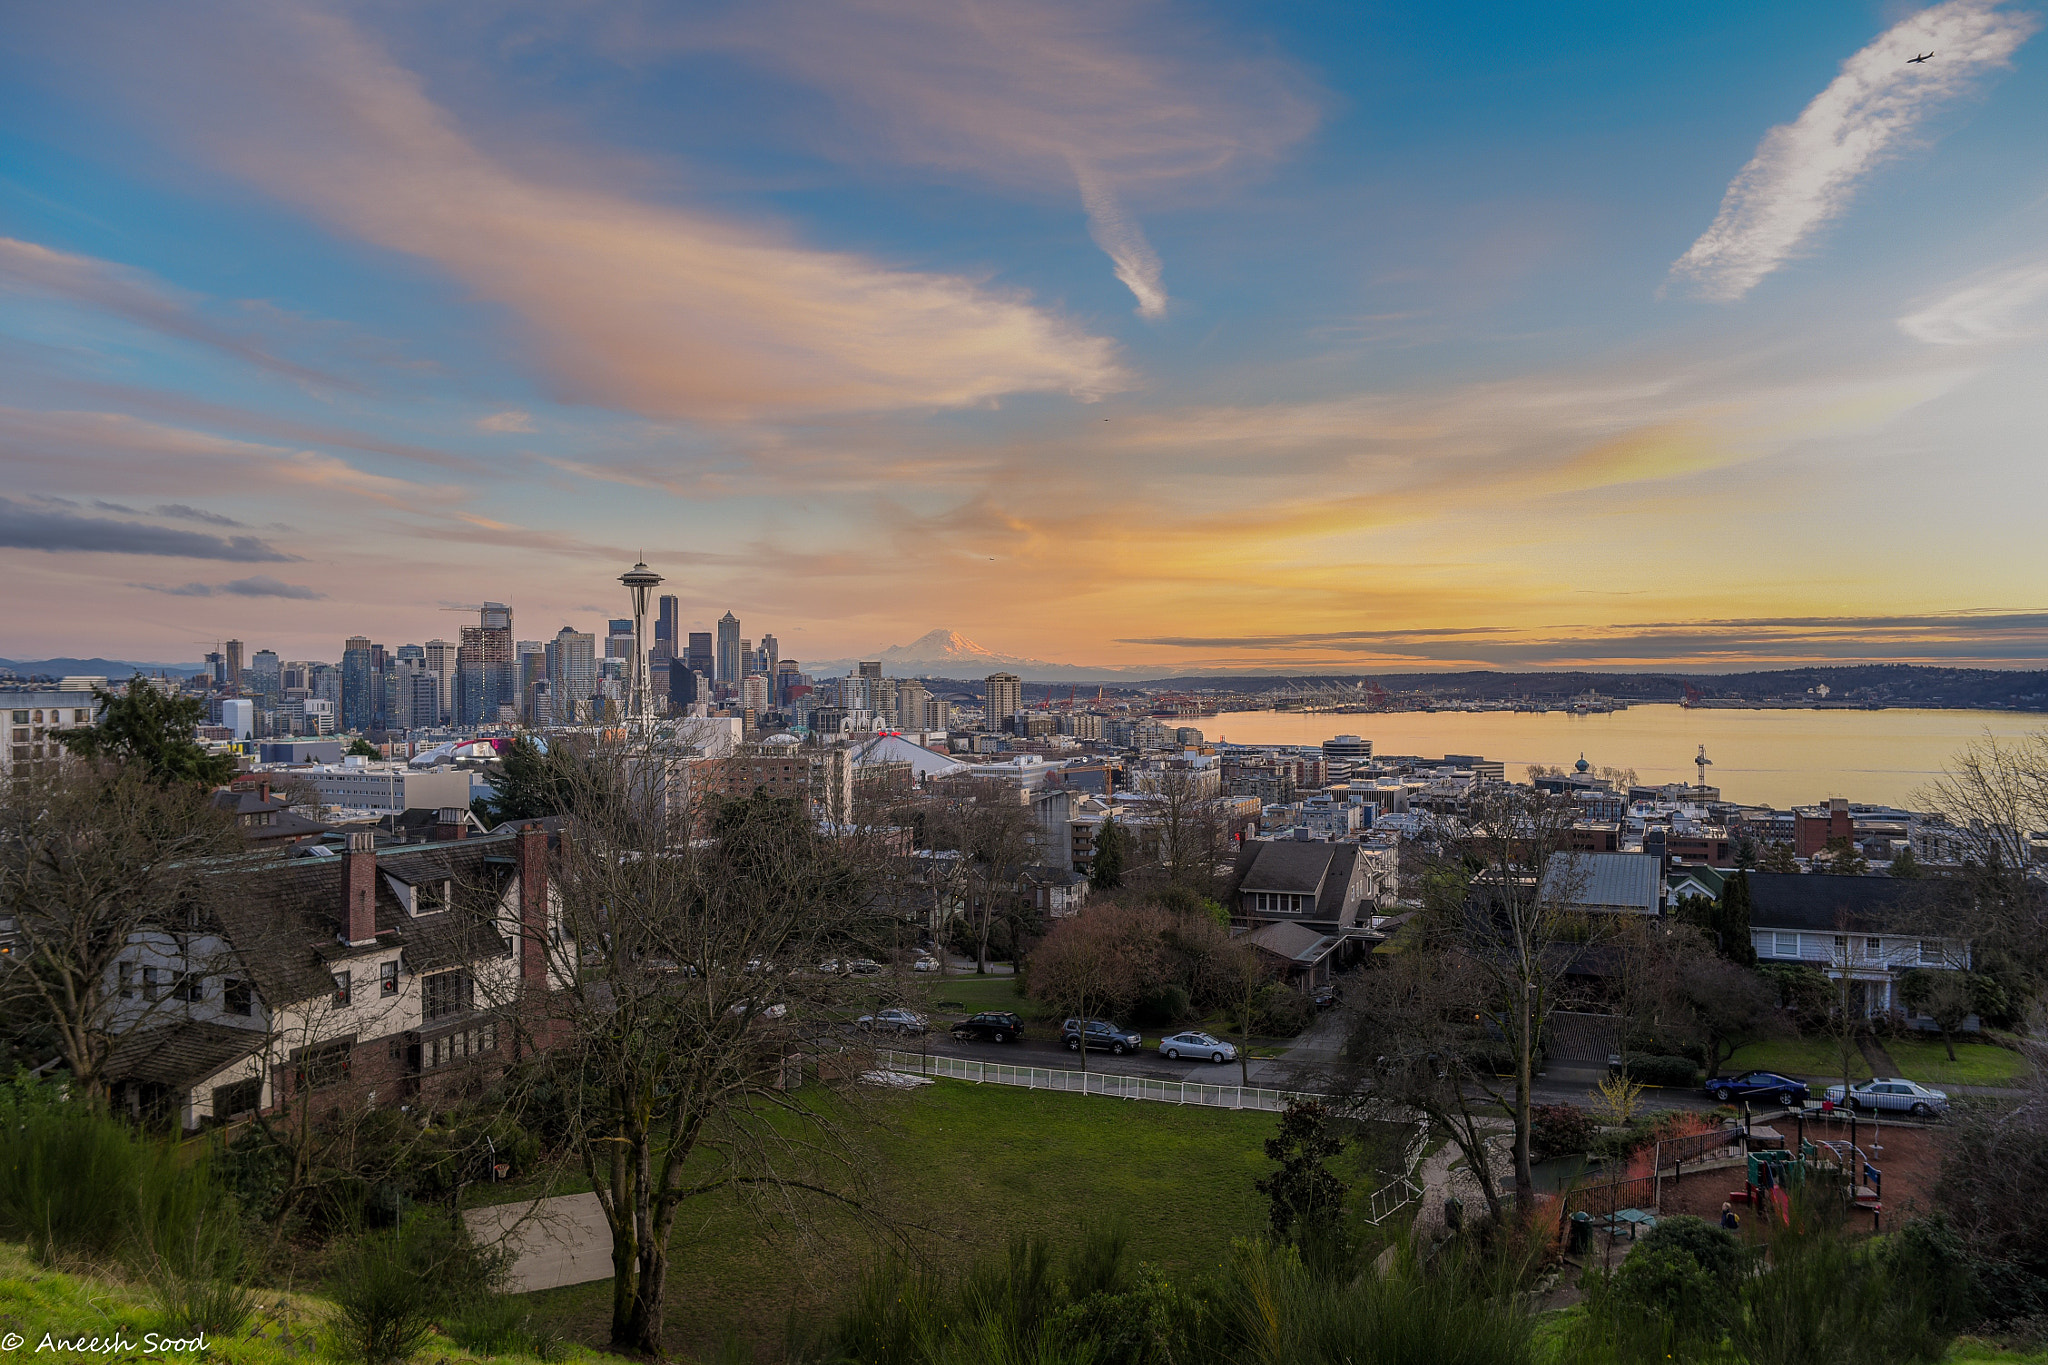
565 1240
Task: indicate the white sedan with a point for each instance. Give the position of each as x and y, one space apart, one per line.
1889 1092
1197 1044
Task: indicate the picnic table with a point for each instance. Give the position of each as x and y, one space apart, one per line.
1633 1221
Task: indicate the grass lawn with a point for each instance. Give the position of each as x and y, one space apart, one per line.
964 1167
1802 1057
977 993
1926 1060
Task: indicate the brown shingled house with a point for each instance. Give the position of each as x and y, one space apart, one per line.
369 976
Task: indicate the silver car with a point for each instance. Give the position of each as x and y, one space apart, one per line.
1195 1043
1889 1092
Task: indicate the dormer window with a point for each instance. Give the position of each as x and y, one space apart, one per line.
430 898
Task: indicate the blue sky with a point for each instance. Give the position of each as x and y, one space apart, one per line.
1205 336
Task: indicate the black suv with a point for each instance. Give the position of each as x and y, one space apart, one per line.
1102 1035
990 1026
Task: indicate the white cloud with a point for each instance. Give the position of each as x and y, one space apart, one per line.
1120 237
1805 172
1999 305
507 421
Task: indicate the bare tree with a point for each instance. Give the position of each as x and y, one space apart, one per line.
102 872
684 1011
1995 794
1191 836
1097 960
1504 923
992 829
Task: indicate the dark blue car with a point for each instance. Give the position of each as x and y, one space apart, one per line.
1758 1085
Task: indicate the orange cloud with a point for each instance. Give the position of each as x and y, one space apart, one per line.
655 310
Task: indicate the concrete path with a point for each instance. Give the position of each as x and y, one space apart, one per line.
561 1241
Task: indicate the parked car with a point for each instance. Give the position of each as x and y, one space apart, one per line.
1890 1092
1195 1043
1758 1085
830 966
1101 1034
925 963
893 1021
864 966
990 1026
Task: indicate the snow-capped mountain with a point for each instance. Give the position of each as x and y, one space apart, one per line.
949 654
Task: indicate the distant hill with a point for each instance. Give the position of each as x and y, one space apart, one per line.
949 654
93 668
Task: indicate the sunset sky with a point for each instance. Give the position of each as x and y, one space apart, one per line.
1312 335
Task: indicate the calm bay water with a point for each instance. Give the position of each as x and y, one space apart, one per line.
1782 758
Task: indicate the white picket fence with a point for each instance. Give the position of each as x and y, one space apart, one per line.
1090 1082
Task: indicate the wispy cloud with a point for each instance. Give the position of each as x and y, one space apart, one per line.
506 421
658 310
1806 172
134 296
1999 305
27 528
260 586
1112 98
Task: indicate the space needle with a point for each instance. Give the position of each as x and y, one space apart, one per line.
639 580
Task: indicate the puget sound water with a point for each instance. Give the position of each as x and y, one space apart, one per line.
1777 758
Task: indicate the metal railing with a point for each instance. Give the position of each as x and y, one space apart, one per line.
1091 1082
1403 1190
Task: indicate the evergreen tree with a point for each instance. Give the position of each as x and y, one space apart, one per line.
1106 871
530 784
153 730
1779 858
1306 1199
1733 921
1906 866
362 748
1841 858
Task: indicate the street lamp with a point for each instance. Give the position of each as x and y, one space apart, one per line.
639 580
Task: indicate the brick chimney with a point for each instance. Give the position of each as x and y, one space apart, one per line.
263 790
449 824
531 854
359 876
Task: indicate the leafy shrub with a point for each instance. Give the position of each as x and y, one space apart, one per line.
1651 1069
1666 1282
1280 1011
390 1287
1714 1249
1165 1004
1560 1130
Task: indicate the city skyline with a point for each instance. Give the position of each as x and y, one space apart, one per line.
1348 339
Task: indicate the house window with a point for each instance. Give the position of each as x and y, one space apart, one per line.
444 993
387 977
430 898
236 997
1786 945
341 988
125 978
1873 948
327 1064
1930 952
1841 945
189 987
154 980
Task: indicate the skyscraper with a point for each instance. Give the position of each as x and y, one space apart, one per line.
700 655
441 663
1002 697
729 663
618 644
750 662
870 668
668 640
771 654
234 666
485 672
572 674
358 684
265 674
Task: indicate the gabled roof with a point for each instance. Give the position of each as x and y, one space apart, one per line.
1292 866
180 1055
896 749
1604 880
1817 901
1294 943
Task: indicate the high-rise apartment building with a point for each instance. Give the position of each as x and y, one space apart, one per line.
572 674
486 675
233 649
729 663
870 668
754 694
533 668
358 684
750 662
700 655
1002 697
771 654
787 676
910 699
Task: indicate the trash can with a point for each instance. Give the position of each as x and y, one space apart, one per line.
1580 1239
